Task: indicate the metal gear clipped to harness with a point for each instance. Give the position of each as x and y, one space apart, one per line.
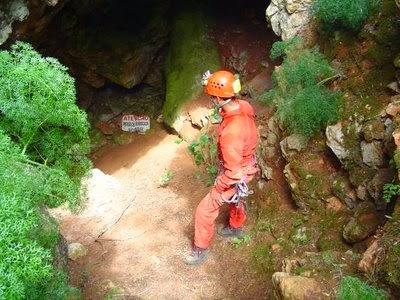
242 191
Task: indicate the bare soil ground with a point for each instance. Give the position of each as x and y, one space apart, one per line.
140 256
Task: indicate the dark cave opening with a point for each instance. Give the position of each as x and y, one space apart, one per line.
117 50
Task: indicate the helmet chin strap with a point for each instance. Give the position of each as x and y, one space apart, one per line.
220 105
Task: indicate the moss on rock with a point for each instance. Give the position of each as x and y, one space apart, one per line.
191 53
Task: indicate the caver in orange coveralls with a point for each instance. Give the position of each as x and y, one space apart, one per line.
237 140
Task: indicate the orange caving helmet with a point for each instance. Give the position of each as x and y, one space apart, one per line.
222 84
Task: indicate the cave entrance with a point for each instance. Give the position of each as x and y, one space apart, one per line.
117 50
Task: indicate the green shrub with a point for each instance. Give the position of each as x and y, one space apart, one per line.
344 14
352 288
205 152
304 104
43 147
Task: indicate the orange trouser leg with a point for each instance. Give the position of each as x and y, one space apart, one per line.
237 215
204 220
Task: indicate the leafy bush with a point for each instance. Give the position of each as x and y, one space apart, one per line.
205 152
346 14
304 104
352 288
390 190
37 109
43 143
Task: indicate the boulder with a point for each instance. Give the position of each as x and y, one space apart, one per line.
288 287
372 154
76 251
375 186
370 257
363 224
199 116
334 204
373 130
335 140
290 18
292 145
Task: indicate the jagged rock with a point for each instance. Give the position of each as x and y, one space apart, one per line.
363 224
394 86
393 109
290 18
375 186
292 145
266 171
273 126
334 203
372 154
199 116
370 257
373 130
335 141
289 287
272 139
269 152
188 132
341 189
305 193
76 251
263 131
362 192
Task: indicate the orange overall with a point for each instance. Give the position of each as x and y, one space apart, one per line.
237 141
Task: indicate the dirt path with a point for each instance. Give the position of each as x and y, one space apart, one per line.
139 252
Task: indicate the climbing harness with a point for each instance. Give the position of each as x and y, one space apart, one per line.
242 191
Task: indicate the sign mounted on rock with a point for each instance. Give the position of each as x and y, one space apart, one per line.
132 123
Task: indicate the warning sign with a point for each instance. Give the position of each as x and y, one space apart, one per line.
132 123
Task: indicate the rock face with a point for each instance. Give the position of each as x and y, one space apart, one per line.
289 287
364 149
290 18
292 145
364 223
26 18
9 13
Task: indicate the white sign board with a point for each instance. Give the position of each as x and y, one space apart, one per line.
132 123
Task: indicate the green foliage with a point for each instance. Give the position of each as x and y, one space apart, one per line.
352 288
390 190
43 142
205 152
241 241
37 109
191 53
166 178
304 104
344 14
282 48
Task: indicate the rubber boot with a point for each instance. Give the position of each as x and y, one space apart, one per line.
197 256
230 232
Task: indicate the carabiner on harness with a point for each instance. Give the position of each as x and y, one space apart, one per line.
242 191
